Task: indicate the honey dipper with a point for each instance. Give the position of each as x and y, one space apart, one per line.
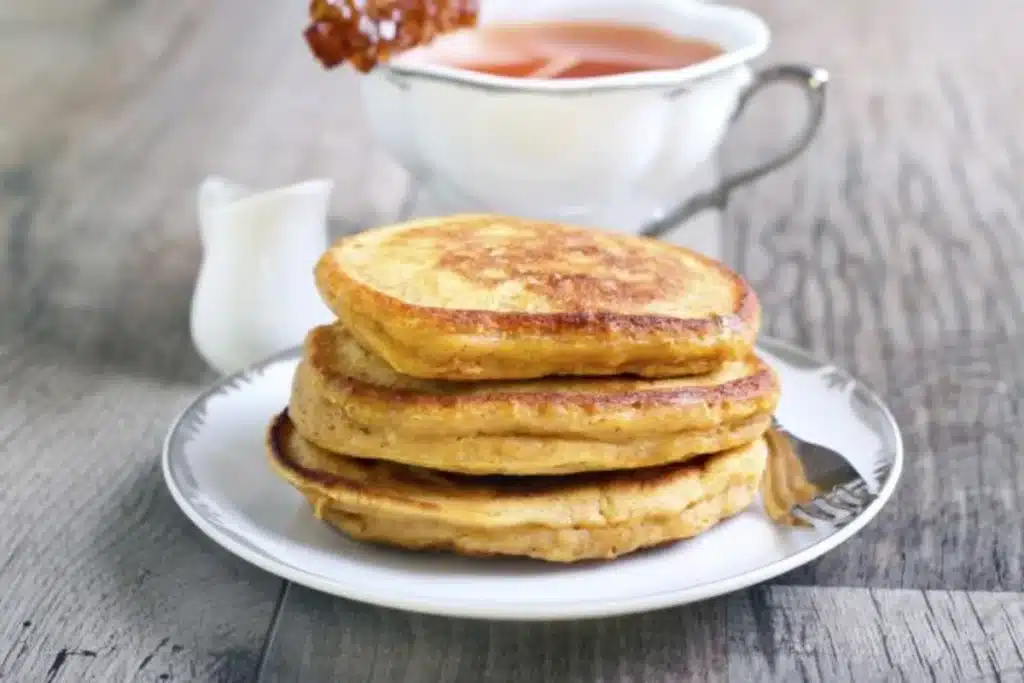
367 32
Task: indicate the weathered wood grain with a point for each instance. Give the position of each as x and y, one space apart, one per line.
774 633
813 634
322 639
102 579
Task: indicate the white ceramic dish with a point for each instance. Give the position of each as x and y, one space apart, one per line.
215 467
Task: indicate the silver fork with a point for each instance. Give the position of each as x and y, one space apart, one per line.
841 493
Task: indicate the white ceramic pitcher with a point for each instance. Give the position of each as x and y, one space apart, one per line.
255 294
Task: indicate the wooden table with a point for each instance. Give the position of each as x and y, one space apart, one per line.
895 245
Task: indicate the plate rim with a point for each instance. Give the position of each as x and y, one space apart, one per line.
575 609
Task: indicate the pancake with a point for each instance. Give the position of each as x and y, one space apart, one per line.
559 519
475 296
323 424
346 399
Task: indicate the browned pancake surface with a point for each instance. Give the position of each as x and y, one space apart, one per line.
482 296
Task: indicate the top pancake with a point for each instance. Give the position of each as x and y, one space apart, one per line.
472 297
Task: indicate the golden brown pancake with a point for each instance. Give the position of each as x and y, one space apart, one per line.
347 399
560 519
473 297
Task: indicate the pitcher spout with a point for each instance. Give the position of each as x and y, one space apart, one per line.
301 204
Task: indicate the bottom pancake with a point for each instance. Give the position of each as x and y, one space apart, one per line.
555 518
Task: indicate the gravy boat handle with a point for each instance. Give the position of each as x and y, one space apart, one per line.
812 81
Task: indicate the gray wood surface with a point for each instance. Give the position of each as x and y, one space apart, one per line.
895 245
778 633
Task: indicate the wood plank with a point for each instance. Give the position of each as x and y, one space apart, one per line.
783 633
773 633
122 108
103 578
323 639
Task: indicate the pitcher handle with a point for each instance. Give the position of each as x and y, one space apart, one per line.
812 81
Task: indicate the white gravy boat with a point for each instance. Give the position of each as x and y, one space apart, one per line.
612 151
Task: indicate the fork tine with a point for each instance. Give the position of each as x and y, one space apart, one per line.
812 512
857 487
846 499
879 475
808 518
860 489
840 505
859 493
854 502
881 471
820 510
789 496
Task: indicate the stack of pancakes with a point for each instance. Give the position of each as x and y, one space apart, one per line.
501 386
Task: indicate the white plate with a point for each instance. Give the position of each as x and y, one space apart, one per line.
215 467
